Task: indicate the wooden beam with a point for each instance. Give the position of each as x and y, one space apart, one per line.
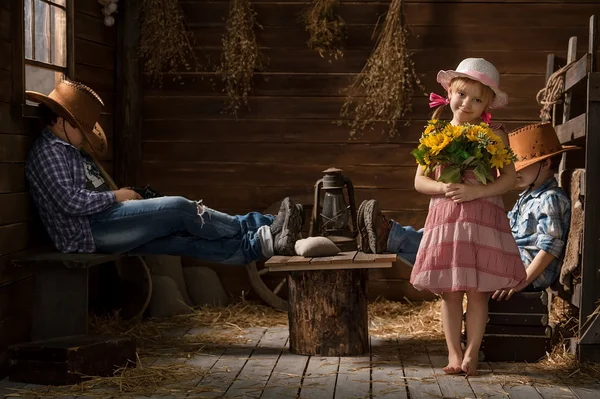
577 72
572 129
18 51
128 113
571 56
593 43
550 67
71 39
590 279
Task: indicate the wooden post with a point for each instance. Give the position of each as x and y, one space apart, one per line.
128 110
328 312
568 98
589 330
60 304
590 279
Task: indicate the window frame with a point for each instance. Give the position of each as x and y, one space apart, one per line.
19 60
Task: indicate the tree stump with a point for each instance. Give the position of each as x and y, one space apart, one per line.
328 312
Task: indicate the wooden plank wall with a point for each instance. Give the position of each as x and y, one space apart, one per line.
288 137
20 228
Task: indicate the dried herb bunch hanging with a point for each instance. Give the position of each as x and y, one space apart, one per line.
326 29
165 42
383 90
241 56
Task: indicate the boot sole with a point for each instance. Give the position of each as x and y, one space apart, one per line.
287 239
363 236
371 209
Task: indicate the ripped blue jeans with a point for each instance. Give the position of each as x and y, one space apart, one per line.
172 226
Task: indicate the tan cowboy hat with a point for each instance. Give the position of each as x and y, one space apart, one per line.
481 71
534 143
81 106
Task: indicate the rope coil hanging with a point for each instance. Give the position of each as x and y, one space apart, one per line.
552 93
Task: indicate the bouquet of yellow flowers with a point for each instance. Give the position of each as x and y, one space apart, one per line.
456 148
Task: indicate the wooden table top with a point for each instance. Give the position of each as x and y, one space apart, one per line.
343 260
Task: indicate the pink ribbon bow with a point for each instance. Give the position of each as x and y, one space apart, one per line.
436 100
486 117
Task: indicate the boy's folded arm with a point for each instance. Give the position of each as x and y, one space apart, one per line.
552 225
65 196
538 265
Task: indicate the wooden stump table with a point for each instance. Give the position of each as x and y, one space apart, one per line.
328 301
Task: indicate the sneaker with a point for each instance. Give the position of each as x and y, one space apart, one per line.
286 238
377 227
363 236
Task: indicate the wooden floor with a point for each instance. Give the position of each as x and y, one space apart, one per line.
263 368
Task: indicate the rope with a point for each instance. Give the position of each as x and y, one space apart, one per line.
552 93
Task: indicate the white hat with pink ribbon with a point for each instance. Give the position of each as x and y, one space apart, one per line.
480 70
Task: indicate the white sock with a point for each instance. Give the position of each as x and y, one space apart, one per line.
266 241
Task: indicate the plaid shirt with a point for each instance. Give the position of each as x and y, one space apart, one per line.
540 221
56 177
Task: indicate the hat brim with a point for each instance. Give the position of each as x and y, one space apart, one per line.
445 77
519 165
95 138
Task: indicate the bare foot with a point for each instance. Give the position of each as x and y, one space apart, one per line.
454 365
469 366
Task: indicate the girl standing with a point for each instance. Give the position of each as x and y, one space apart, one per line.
467 246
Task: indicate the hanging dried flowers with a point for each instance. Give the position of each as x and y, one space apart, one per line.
241 56
383 90
165 42
326 29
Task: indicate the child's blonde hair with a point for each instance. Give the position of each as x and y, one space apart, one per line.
460 83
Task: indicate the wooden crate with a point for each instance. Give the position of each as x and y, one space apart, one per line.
518 329
69 360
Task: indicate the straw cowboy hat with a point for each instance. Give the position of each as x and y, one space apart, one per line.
534 143
481 71
80 106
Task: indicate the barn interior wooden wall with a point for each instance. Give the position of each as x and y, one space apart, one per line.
20 229
280 146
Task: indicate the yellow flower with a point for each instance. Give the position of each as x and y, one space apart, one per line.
429 129
491 148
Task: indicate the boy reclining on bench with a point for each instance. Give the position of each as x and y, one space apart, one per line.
82 214
539 220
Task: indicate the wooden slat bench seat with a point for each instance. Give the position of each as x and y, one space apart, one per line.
60 294
328 301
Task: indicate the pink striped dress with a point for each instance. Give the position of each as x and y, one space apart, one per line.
467 247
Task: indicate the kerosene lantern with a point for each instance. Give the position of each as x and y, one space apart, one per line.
332 216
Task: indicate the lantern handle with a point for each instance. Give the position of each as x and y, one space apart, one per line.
314 222
352 205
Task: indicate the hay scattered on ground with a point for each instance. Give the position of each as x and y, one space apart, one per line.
395 319
166 336
411 327
152 380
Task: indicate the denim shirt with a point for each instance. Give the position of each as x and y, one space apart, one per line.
540 221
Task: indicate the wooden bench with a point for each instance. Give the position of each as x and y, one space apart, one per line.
61 287
327 301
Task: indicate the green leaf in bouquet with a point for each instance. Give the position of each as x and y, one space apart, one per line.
451 174
419 155
481 173
467 161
